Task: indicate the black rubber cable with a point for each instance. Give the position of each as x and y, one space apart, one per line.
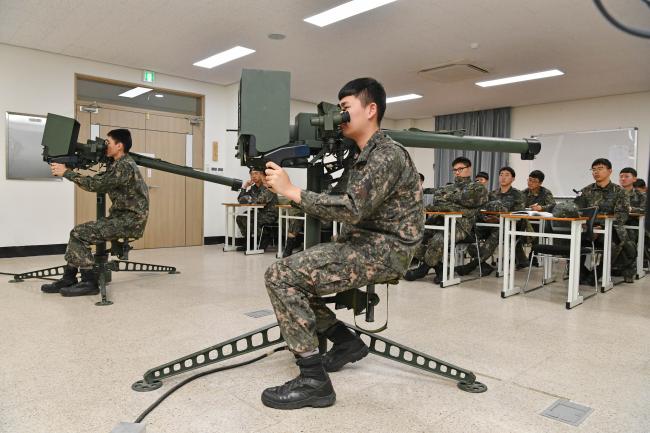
642 33
196 376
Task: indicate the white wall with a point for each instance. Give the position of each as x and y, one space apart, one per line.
629 110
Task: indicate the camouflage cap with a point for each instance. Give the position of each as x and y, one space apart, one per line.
566 209
495 206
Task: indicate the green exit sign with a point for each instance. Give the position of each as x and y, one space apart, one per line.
148 76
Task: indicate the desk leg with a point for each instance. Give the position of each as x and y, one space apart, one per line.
450 263
573 294
279 254
445 251
607 283
500 252
229 244
640 248
508 267
255 249
547 260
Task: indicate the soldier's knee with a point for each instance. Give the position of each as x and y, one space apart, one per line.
272 274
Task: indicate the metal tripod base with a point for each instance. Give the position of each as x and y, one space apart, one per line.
40 273
270 335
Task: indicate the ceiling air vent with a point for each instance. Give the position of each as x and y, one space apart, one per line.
453 72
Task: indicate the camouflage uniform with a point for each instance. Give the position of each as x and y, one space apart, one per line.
544 198
462 196
123 183
383 221
509 201
612 199
265 216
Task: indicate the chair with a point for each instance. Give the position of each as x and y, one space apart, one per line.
563 252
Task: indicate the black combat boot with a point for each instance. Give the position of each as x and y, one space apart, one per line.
438 278
420 272
467 268
348 347
292 243
69 278
312 387
89 285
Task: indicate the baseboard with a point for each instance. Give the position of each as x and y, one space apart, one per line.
214 240
32 250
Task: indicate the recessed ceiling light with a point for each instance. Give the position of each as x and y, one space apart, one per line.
159 95
135 92
276 36
224 57
402 98
346 10
520 78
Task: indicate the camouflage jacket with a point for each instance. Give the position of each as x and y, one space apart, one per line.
611 199
462 196
261 195
381 206
513 199
544 198
123 183
637 201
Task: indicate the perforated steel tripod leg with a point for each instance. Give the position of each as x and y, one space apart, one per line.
394 351
246 343
40 273
124 266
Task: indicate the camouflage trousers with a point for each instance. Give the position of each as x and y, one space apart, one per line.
262 220
83 236
296 283
431 250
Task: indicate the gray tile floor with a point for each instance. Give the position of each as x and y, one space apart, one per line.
67 366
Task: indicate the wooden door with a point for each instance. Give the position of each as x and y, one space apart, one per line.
166 225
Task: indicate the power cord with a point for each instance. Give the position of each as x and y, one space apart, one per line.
196 376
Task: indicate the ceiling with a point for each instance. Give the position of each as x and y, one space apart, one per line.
391 43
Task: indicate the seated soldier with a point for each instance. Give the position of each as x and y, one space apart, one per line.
483 178
509 199
253 192
626 179
127 218
462 196
537 197
610 199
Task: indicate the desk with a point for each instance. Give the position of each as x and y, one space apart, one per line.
500 227
449 245
283 214
640 243
232 211
510 234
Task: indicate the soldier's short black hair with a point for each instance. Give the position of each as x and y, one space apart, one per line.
367 90
421 177
461 160
483 174
639 183
536 174
122 136
629 170
508 169
602 161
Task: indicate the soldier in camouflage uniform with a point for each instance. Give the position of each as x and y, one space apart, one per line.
123 183
627 180
537 197
462 196
254 192
505 199
383 223
611 199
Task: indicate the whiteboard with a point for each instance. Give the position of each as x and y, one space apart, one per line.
565 158
24 150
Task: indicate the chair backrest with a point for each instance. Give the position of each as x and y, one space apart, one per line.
589 212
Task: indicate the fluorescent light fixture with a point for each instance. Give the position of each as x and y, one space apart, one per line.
135 92
402 98
519 78
159 95
224 57
346 10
